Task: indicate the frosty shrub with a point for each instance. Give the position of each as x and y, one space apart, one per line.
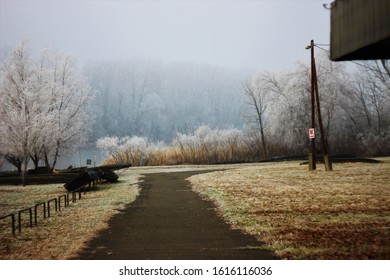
109 145
134 150
204 146
207 146
373 143
130 150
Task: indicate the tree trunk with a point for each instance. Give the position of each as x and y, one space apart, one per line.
263 142
24 171
35 160
54 161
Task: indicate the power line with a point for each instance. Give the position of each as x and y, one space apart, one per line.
357 63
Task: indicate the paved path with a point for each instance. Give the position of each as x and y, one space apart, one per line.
169 221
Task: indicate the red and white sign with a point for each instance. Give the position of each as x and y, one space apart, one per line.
312 133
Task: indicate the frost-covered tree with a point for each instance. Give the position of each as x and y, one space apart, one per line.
282 102
44 109
374 86
68 112
369 109
354 108
334 84
286 96
21 98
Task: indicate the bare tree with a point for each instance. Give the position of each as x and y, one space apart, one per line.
257 103
374 88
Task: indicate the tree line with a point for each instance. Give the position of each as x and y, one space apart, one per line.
355 108
193 112
276 114
148 98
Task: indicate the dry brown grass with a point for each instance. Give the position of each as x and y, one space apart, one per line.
157 157
176 155
344 214
299 214
63 234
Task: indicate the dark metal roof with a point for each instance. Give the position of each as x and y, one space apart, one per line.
360 30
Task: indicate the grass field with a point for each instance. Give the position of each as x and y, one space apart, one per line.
344 214
63 234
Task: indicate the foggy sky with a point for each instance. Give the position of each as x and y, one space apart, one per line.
259 35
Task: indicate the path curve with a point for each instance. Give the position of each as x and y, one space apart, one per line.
169 221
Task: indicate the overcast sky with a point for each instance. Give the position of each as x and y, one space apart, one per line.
259 35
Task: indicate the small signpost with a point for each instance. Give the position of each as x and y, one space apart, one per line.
312 134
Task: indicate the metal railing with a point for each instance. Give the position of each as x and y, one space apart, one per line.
13 222
35 211
46 206
20 218
59 201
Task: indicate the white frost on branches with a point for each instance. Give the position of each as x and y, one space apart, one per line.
44 107
132 150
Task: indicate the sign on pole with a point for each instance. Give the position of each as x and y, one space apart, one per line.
312 133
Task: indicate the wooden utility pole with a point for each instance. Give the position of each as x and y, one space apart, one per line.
315 100
312 153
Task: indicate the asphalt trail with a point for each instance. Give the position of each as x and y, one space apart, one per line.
169 221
